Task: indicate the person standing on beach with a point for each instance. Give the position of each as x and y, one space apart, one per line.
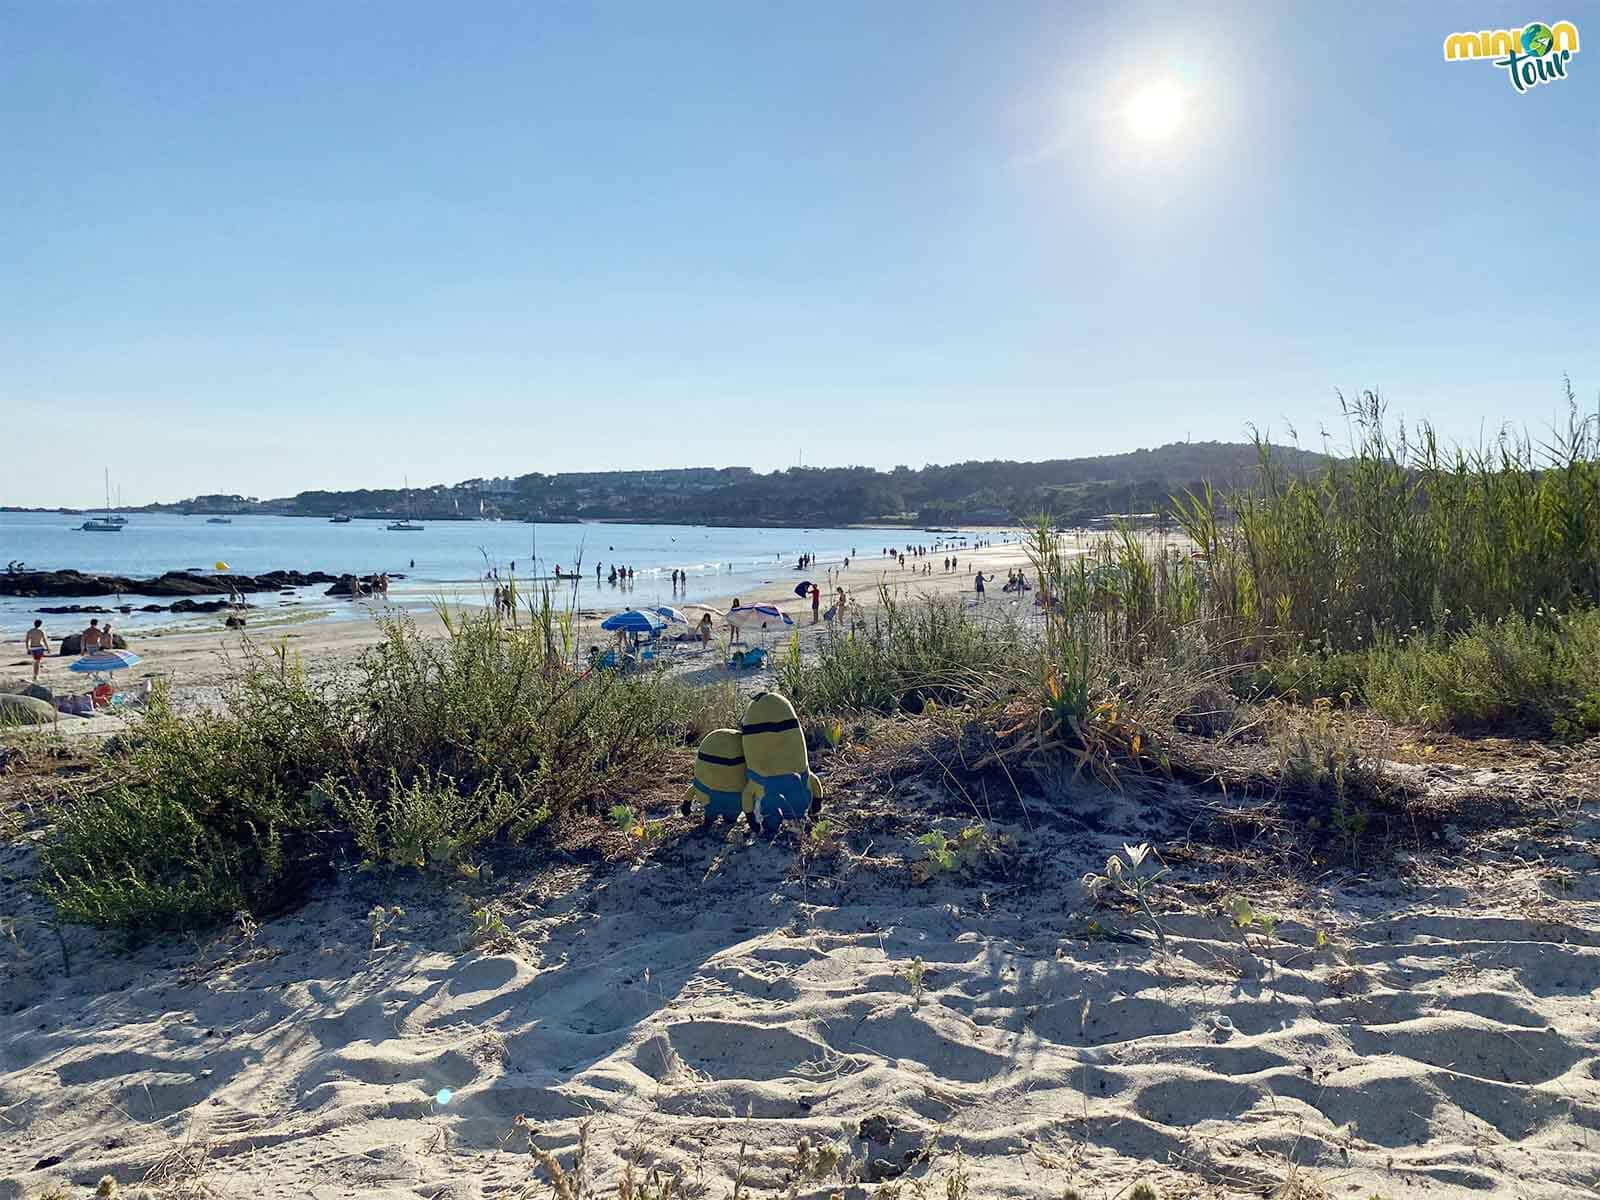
816 603
89 640
979 585
38 643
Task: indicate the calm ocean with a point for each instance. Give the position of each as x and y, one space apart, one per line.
451 557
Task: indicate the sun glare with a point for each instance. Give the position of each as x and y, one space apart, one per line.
1155 111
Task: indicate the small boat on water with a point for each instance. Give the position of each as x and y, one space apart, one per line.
105 523
405 524
219 520
339 519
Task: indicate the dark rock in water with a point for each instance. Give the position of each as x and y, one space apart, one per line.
353 585
199 606
173 583
154 608
57 610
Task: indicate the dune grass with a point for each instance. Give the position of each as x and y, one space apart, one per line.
427 750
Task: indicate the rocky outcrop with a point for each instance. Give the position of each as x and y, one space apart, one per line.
72 645
356 585
177 606
174 583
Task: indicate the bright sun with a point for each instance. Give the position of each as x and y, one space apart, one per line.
1155 111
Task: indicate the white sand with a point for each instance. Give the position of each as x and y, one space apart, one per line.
1446 1043
206 659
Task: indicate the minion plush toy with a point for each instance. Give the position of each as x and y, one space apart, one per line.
781 785
719 775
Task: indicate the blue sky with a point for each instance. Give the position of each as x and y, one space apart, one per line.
267 247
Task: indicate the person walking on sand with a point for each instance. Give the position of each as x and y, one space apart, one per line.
38 643
979 585
705 630
816 603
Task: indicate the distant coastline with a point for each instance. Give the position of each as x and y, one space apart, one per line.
987 495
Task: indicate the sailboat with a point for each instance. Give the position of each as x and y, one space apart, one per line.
406 525
105 523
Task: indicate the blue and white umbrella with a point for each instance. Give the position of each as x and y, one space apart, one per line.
104 660
633 621
667 612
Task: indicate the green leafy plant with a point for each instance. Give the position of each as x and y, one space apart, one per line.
916 973
1127 875
381 920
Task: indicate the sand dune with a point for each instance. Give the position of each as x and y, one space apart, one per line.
1443 1040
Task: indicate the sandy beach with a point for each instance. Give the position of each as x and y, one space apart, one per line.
726 1007
206 659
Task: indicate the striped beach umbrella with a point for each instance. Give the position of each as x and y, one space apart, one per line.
105 660
668 613
633 621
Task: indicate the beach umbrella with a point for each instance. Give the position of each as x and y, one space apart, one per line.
669 613
759 616
803 588
702 608
633 621
104 660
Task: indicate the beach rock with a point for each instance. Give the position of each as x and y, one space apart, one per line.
173 583
56 610
353 585
24 710
72 644
234 622
199 606
26 687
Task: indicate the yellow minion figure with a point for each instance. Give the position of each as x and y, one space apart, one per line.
719 775
780 783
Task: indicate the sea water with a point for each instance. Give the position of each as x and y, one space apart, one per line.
458 561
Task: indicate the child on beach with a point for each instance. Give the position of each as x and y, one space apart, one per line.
38 643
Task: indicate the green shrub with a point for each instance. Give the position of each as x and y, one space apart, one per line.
427 750
904 655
